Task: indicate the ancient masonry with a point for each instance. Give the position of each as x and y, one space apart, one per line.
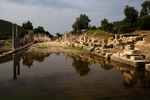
125 43
18 42
15 37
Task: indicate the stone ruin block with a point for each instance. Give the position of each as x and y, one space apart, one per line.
138 57
121 36
105 41
15 36
108 55
147 67
127 56
131 52
90 48
104 46
129 47
110 46
97 45
117 37
118 42
111 40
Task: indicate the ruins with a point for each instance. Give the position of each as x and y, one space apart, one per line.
120 48
17 41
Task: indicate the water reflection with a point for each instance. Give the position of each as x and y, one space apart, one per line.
132 76
82 63
16 66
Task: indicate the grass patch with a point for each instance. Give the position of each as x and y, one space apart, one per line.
73 48
98 32
5 48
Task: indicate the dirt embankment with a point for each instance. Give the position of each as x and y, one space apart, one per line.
56 47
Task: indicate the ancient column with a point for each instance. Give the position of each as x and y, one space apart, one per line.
84 38
15 37
66 37
16 66
31 36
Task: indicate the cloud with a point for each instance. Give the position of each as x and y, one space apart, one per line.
59 15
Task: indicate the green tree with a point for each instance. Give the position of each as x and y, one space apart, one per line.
58 35
81 23
48 34
39 29
144 22
122 27
104 22
92 27
131 15
27 25
145 8
106 26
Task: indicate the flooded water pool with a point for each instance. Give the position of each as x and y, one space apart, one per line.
38 75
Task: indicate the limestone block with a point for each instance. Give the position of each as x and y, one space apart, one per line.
131 52
117 37
121 36
118 54
110 40
97 44
105 41
136 57
130 47
98 51
110 46
108 55
147 67
127 56
104 46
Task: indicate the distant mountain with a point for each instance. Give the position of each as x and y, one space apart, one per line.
5 29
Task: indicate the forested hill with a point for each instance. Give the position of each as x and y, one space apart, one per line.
5 29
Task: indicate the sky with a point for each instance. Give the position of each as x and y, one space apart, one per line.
59 15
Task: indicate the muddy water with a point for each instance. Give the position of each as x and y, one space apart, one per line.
38 75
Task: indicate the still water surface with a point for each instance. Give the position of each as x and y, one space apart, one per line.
69 76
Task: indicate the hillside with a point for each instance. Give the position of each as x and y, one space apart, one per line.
5 29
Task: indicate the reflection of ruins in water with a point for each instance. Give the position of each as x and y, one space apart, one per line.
132 76
27 59
82 63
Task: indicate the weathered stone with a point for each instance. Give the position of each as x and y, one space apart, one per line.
15 36
110 46
97 44
130 47
108 55
117 37
136 57
131 52
147 67
105 41
104 46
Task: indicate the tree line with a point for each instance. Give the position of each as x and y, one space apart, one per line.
133 21
28 26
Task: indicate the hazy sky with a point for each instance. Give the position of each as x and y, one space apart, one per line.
59 15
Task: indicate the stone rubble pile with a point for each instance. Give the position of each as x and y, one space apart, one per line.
102 47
